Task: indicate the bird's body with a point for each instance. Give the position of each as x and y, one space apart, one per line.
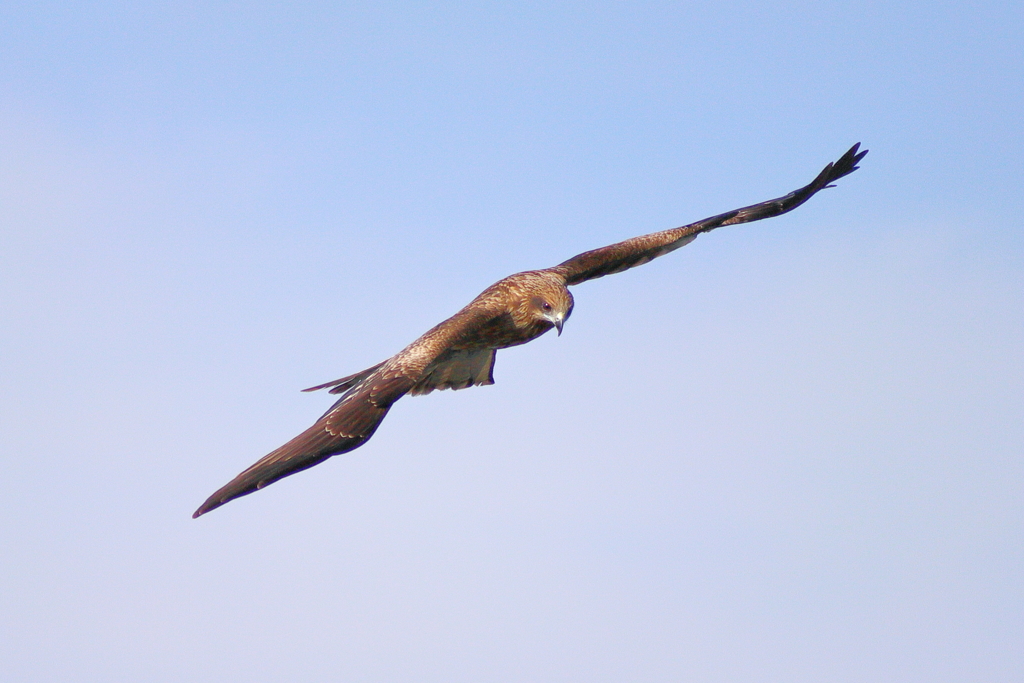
459 352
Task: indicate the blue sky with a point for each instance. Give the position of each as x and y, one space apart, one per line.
790 451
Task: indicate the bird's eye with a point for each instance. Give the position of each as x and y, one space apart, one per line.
546 306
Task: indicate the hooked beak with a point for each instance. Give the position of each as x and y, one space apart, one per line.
558 324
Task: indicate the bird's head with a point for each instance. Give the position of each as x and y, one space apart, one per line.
537 301
554 312
550 302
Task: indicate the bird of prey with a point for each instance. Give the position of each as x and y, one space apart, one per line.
459 352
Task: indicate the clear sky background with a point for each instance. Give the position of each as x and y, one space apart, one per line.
792 451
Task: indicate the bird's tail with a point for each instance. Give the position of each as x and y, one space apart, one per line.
345 383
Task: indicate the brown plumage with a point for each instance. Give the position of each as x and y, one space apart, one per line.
460 352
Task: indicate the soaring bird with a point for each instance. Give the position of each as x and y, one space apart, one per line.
459 352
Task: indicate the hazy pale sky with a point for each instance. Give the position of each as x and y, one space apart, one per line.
792 451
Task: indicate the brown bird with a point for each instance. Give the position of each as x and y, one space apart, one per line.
460 352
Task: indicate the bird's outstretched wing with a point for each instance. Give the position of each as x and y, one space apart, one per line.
637 251
427 364
346 426
309 448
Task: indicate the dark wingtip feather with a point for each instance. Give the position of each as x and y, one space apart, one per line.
844 166
847 163
206 507
219 498
223 495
